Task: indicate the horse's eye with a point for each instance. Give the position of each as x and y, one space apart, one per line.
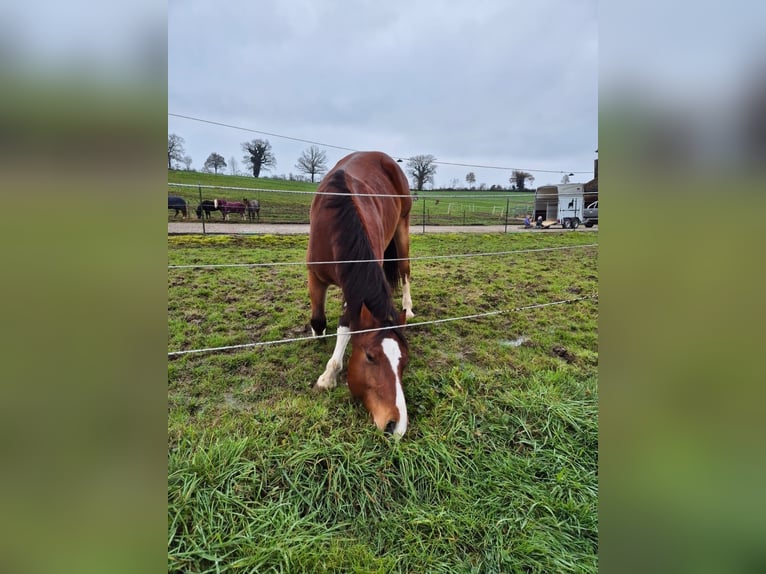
370 358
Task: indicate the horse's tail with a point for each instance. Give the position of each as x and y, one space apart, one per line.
391 266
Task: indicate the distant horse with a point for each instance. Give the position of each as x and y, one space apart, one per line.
207 205
350 222
179 204
227 207
253 209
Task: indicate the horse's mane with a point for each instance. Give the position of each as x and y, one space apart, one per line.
362 283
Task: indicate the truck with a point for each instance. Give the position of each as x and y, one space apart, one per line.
590 214
560 204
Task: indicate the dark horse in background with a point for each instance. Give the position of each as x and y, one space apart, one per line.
179 204
361 212
207 205
251 207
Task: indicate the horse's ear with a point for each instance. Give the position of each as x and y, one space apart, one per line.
366 320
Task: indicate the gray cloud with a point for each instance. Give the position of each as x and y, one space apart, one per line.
488 82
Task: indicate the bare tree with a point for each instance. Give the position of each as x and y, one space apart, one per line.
519 179
215 161
187 161
259 156
233 165
176 149
312 161
470 178
422 169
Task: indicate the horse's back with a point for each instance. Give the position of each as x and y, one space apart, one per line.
373 172
378 190
369 173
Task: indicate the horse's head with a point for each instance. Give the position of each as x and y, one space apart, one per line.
375 372
199 211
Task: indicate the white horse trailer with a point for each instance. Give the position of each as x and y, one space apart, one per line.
560 204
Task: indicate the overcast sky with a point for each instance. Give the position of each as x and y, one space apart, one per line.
505 83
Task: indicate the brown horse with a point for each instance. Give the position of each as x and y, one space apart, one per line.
360 219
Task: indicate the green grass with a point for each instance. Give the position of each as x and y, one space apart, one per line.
497 472
437 207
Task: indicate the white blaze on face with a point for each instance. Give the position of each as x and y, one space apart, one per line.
394 354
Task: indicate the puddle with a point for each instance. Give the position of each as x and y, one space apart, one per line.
516 342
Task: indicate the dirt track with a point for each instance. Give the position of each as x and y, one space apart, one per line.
188 227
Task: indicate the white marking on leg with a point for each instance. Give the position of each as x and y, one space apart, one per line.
394 354
407 299
329 378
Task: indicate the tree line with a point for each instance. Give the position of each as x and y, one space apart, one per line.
258 156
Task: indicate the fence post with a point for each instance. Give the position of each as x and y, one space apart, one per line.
507 203
202 212
423 199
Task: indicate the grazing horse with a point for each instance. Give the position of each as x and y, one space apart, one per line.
207 205
227 207
253 209
359 241
179 204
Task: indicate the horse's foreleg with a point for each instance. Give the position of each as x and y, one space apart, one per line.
329 378
317 296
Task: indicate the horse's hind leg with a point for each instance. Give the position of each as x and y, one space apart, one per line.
402 241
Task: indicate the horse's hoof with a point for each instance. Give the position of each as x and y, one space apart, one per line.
326 382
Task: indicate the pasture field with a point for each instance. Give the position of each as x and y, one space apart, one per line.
498 471
437 207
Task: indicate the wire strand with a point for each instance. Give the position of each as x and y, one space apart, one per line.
428 195
419 324
272 134
419 258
